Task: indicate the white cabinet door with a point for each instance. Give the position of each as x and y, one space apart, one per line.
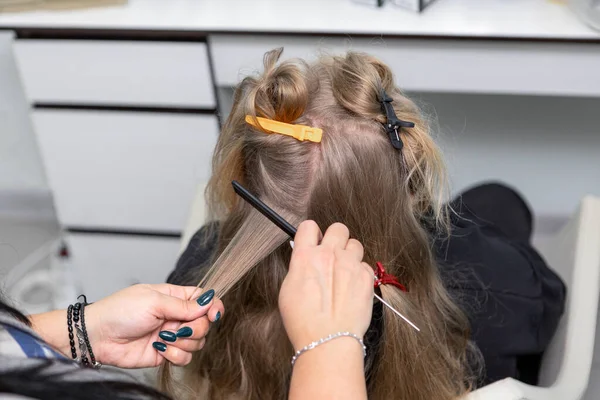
119 170
116 72
429 65
105 264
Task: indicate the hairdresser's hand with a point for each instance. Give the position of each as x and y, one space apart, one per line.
124 326
328 288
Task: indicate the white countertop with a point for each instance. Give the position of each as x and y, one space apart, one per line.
544 19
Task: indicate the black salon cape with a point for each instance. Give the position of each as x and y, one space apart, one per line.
513 300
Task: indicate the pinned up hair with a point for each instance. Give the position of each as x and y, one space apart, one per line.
354 176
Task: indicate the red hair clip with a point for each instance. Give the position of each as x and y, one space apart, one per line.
383 278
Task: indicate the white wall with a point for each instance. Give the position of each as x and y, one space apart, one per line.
23 187
27 218
20 163
547 147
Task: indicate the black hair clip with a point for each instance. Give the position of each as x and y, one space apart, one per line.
393 123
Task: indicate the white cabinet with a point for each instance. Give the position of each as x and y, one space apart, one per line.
126 130
161 74
125 171
434 65
105 264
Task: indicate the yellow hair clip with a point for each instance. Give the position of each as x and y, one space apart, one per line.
300 132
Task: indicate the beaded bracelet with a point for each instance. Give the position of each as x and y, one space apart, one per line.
75 314
327 339
70 332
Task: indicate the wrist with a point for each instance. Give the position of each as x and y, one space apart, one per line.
302 339
340 350
332 370
52 328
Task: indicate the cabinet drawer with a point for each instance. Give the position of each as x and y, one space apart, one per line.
430 65
116 72
105 264
131 171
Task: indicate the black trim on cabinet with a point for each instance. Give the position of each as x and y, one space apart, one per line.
375 35
201 36
124 108
124 232
110 34
213 79
410 36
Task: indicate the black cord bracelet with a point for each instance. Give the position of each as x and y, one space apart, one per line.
77 308
86 338
70 332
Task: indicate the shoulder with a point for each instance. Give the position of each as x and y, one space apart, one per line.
482 258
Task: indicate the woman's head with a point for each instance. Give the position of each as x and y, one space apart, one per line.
354 175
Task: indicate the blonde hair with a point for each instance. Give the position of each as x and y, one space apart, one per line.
354 176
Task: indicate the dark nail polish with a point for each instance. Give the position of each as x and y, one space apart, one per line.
167 336
218 316
206 297
186 331
159 346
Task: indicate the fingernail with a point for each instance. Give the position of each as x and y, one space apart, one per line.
167 336
159 346
206 297
218 316
186 331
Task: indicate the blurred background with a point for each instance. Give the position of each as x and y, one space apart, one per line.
109 111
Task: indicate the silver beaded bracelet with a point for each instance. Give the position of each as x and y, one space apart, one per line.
327 339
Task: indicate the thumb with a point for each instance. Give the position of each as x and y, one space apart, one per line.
175 309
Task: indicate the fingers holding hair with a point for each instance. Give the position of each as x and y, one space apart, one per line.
185 303
191 337
308 234
355 250
336 236
173 354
